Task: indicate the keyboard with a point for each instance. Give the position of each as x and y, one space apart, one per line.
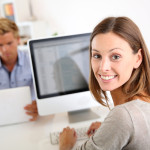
81 135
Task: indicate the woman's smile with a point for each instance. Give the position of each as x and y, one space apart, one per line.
104 77
112 61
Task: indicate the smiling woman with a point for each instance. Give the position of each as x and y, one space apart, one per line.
108 62
120 63
129 46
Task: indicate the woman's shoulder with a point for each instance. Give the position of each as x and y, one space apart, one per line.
135 105
130 110
118 117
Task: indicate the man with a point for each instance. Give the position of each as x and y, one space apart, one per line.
15 68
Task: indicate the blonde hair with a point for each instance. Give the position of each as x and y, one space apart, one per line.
140 79
7 25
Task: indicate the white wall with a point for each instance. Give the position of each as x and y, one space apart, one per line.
77 16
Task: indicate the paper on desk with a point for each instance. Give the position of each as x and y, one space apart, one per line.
12 102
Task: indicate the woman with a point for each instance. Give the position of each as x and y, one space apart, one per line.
120 63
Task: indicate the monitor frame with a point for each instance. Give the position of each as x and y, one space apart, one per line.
47 105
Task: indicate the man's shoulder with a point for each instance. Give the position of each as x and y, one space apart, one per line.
23 53
23 57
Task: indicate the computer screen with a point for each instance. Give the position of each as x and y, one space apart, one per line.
61 73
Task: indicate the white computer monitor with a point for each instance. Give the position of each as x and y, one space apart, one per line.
60 68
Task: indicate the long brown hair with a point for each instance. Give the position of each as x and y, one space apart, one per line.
140 79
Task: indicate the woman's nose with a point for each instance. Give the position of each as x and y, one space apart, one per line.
105 65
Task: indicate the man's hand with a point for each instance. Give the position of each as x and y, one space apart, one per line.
67 139
94 126
32 110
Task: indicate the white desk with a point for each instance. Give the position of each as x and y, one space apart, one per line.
35 135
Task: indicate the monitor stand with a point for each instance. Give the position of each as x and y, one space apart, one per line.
82 115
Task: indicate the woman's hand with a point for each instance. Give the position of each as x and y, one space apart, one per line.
32 110
94 126
67 139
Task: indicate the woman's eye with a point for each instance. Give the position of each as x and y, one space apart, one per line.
96 56
115 57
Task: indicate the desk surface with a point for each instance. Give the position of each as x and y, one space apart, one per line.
35 135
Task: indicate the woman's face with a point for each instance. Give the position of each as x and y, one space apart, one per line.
113 60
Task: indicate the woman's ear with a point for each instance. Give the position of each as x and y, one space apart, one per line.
139 59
